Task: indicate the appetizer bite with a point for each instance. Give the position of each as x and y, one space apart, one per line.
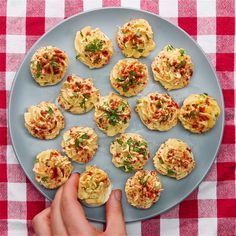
143 189
199 113
135 38
129 77
78 95
48 65
94 187
80 143
52 169
112 114
129 152
158 111
44 121
174 158
173 68
93 47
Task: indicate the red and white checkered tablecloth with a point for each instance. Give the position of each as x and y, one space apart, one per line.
209 210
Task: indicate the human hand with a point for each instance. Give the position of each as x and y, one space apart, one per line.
66 216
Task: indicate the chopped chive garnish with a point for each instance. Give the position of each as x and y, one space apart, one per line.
171 172
181 51
119 141
50 110
39 67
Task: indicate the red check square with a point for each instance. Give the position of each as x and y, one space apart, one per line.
225 25
3 212
189 24
228 97
2 61
188 209
35 25
3 173
3 99
229 134
225 171
225 208
3 25
225 61
33 208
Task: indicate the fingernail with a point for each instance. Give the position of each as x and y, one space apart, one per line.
75 172
117 194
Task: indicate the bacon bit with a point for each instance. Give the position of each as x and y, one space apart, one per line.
69 78
188 149
202 109
54 173
152 97
108 59
204 117
105 53
208 102
48 70
58 51
175 105
56 70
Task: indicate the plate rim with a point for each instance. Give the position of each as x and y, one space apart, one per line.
10 128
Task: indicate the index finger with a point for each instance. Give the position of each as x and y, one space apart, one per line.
41 223
72 211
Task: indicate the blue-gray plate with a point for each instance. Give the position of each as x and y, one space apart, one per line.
26 92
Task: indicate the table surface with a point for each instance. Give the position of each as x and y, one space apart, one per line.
209 210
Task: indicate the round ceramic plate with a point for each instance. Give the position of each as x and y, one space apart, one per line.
25 92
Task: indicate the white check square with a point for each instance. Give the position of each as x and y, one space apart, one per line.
11 157
169 227
16 43
130 3
55 8
207 42
134 228
16 8
168 8
16 192
206 8
91 4
17 227
9 79
207 190
207 226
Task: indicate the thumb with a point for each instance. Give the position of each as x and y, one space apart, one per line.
114 215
